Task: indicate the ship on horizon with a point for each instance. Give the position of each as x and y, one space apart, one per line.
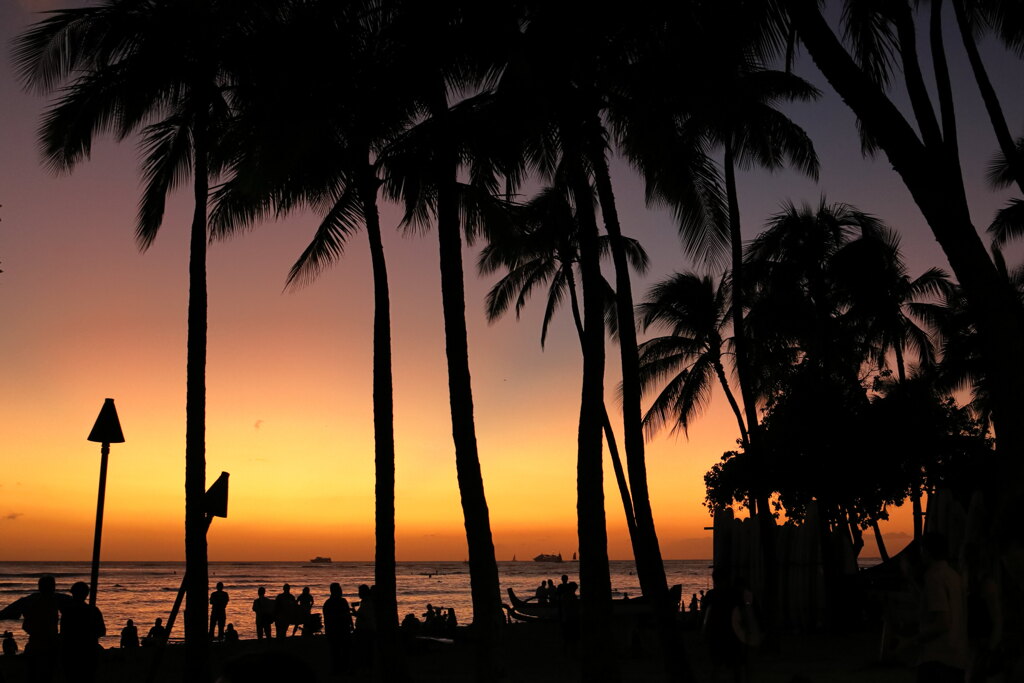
544 557
321 560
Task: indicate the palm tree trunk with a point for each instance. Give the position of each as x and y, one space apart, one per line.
720 372
915 492
609 434
483 569
386 599
597 662
879 541
765 520
649 564
989 97
196 566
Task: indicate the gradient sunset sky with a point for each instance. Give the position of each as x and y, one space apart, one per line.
84 315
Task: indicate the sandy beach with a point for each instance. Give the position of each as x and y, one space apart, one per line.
531 653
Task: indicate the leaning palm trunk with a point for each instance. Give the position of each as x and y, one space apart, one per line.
597 662
483 568
649 564
386 602
196 570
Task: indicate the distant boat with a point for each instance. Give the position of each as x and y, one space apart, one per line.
321 560
548 558
513 558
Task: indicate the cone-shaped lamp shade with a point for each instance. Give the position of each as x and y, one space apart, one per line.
107 428
216 499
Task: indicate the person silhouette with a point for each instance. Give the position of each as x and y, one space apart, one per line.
366 623
156 634
10 644
218 610
230 634
694 604
263 607
130 636
284 610
81 627
338 627
541 594
305 603
40 613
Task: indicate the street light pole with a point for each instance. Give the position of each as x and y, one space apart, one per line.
106 430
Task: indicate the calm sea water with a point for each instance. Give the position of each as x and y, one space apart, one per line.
144 591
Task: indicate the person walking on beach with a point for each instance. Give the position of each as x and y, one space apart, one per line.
41 616
130 636
81 627
338 627
284 610
263 607
218 610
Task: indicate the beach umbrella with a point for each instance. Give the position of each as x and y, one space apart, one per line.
105 431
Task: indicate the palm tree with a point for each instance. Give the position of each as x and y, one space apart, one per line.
542 249
162 70
451 51
695 311
928 162
331 161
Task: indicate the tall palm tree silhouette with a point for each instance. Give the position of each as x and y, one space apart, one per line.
163 71
301 145
542 249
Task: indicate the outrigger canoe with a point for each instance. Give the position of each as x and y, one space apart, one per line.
531 611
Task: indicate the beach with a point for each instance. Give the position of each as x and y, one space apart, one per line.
531 652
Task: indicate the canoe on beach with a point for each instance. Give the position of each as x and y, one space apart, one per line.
524 610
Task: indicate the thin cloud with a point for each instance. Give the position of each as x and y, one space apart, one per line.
257 425
14 515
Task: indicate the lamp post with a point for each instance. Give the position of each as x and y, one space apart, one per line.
106 431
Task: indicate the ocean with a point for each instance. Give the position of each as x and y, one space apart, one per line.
144 591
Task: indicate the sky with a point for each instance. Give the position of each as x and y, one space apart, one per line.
84 315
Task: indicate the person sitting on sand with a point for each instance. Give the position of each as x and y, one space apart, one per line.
218 610
284 610
410 626
10 644
130 636
263 607
156 634
81 627
230 634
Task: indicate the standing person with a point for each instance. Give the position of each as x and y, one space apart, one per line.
41 612
942 637
366 623
284 610
218 610
130 636
305 602
81 627
263 607
338 627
